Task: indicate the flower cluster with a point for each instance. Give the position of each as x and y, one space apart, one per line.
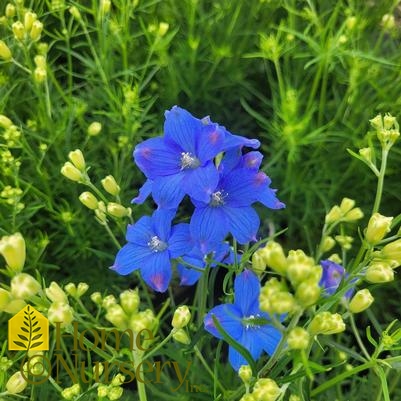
202 160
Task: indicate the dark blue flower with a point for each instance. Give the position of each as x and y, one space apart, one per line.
152 243
332 275
244 321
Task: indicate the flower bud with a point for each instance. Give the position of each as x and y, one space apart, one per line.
274 257
70 393
143 320
12 248
5 122
77 159
114 393
39 75
333 215
181 317
5 52
298 338
326 323
354 215
346 205
266 390
55 293
89 200
5 298
389 121
361 301
108 301
24 286
10 10
379 273
102 391
300 266
378 227
105 6
345 241
75 12
181 337
327 243
117 317
82 288
96 298
40 61
281 302
15 306
377 122
29 19
36 30
248 397
307 293
60 312
258 262
117 380
130 300
71 289
94 128
110 185
18 30
71 172
117 210
366 154
245 373
392 251
16 383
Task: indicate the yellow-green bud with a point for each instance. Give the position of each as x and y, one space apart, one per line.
10 10
89 200
81 289
5 122
281 302
71 172
70 393
115 393
16 383
108 301
77 159
36 30
346 205
258 262
345 241
335 258
102 390
245 373
40 61
366 154
110 185
326 323
14 306
142 320
117 210
96 298
130 300
266 390
71 289
181 317
333 215
377 122
24 286
18 30
378 227
60 312
118 380
248 397
328 243
294 397
75 12
39 75
307 293
361 301
105 6
5 52
55 293
300 266
274 257
12 248
163 28
354 215
298 338
29 19
5 298
181 336
379 273
392 251
94 128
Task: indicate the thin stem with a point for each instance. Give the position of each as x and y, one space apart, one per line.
358 337
137 356
205 364
380 181
158 346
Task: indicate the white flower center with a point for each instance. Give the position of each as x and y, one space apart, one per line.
217 198
252 322
156 244
188 160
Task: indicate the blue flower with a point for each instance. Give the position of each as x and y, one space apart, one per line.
332 275
244 321
152 243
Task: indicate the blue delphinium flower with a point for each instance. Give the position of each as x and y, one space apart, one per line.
332 275
244 321
152 243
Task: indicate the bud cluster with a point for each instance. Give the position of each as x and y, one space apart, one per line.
265 389
387 130
345 212
113 391
60 310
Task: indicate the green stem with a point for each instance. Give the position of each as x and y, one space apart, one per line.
380 180
358 337
140 383
205 364
161 344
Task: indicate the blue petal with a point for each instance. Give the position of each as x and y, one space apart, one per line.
246 290
243 223
144 192
229 316
157 158
181 128
208 225
252 160
161 223
201 182
264 193
188 275
210 142
249 342
233 141
156 271
268 337
141 232
230 160
168 191
180 240
130 257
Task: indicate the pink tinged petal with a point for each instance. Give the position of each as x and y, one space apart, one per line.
243 223
252 160
181 128
157 158
144 192
161 223
188 275
168 191
265 194
208 225
156 271
234 141
201 182
180 240
210 142
129 258
229 317
141 232
246 290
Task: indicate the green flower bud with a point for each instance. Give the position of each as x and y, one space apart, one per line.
392 251
258 262
181 337
354 215
82 288
29 19
346 205
248 397
70 393
266 390
55 293
5 122
328 243
274 257
5 298
245 373
110 185
366 154
89 200
10 10
114 393
143 320
77 159
39 75
298 338
308 293
281 302
378 227
130 301
75 13
333 215
5 52
36 30
71 289
117 210
16 383
18 30
118 380
14 306
117 317
24 286
60 313
379 273
71 172
96 298
13 250
345 241
105 6
102 390
300 266
377 122
361 301
181 317
94 128
108 301
326 323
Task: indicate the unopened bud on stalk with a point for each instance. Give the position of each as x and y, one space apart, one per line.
258 262
29 19
75 13
361 301
5 122
378 227
117 210
181 336
181 317
307 293
366 154
354 215
18 30
77 159
298 338
16 383
110 185
333 215
10 10
274 257
12 248
55 293
94 128
245 373
116 316
24 286
5 52
36 30
71 172
328 243
266 390
326 323
60 312
89 200
346 205
379 273
392 251
130 300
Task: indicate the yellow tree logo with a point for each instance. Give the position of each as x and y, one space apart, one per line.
28 330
